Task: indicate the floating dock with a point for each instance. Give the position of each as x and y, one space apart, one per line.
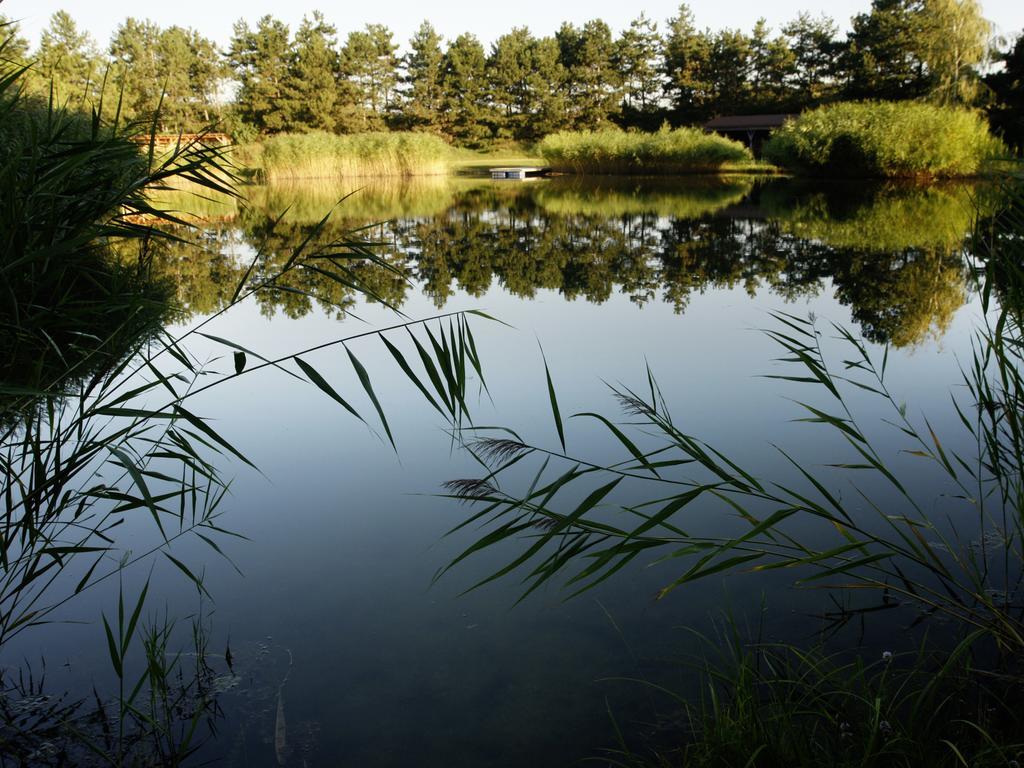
518 172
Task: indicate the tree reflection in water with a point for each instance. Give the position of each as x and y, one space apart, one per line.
893 254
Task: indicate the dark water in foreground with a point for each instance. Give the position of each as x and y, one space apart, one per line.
335 611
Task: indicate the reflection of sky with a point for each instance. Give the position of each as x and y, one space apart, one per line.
344 542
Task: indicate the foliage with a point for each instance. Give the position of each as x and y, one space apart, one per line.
174 72
464 85
682 150
311 95
260 60
369 72
779 705
324 156
1006 112
424 67
583 78
885 139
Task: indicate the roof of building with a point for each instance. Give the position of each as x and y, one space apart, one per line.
746 122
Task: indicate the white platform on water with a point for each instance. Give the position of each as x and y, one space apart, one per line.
516 172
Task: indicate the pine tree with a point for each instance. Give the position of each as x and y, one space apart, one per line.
424 66
68 59
816 50
687 56
772 66
133 54
311 90
465 115
883 58
592 81
15 45
508 74
638 59
369 65
260 59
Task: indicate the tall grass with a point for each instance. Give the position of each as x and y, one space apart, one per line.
886 139
668 151
777 705
322 155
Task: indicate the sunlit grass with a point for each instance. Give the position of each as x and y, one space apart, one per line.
321 155
668 151
886 139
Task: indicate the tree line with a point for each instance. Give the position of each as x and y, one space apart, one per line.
523 86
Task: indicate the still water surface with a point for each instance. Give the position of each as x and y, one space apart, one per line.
334 600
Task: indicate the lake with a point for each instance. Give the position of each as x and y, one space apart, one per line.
332 611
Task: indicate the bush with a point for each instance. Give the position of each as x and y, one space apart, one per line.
321 155
682 150
885 139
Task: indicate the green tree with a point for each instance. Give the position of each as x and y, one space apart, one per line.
1006 112
260 59
15 45
508 73
956 39
727 71
772 65
883 58
312 85
464 91
687 53
133 53
424 69
175 70
369 65
68 59
815 48
638 59
592 84
546 82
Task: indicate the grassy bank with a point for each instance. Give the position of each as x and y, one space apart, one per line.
886 139
612 151
331 156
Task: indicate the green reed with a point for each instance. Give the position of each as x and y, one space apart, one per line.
319 155
886 139
668 151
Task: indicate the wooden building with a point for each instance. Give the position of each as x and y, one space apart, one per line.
751 130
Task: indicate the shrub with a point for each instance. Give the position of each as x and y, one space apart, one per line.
680 150
321 155
885 139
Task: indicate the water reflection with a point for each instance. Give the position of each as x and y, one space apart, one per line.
894 255
69 321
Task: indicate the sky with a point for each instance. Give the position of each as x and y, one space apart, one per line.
487 20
